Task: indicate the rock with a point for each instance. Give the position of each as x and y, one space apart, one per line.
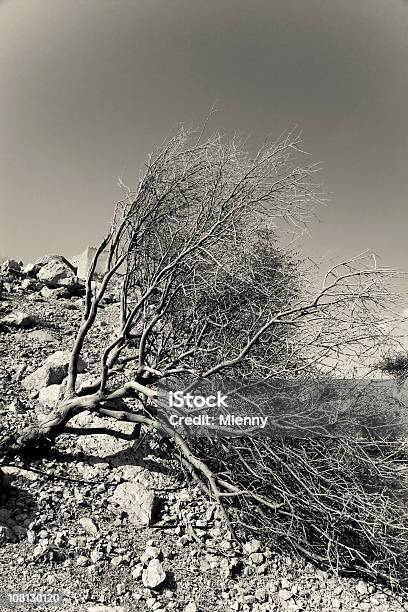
120 589
137 501
58 274
285 584
96 555
50 396
61 358
101 445
260 595
19 370
191 607
82 561
130 472
116 561
137 571
84 380
284 595
52 372
183 541
153 575
88 525
336 603
249 599
151 552
14 407
19 319
43 377
42 336
6 534
31 269
361 587
46 259
10 265
30 283
61 292
256 558
253 546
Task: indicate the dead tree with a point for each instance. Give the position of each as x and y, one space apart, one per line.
207 287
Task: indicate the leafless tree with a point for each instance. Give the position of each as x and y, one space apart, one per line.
207 288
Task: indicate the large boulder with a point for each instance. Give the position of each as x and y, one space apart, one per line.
57 273
52 372
137 501
46 259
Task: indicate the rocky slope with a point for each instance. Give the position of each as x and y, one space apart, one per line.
113 525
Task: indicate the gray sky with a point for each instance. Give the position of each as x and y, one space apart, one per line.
88 87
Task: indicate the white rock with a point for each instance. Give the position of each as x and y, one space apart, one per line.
19 319
120 589
51 395
284 595
82 561
96 555
60 292
100 445
89 526
151 552
256 558
137 571
57 274
52 372
136 500
361 587
31 269
153 575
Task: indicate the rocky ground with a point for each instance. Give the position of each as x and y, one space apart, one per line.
113 525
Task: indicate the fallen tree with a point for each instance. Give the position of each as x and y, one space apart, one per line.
208 288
